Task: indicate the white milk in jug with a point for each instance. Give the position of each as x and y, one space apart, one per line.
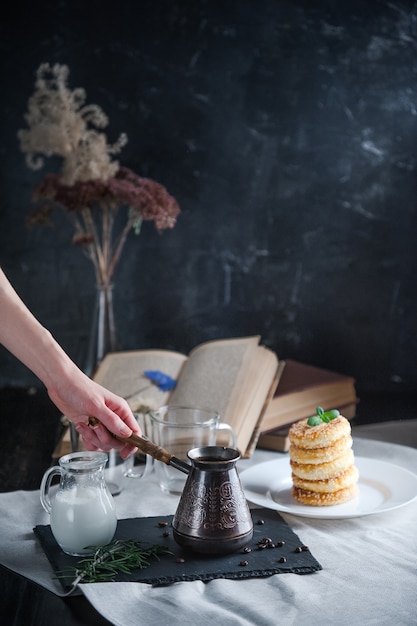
81 517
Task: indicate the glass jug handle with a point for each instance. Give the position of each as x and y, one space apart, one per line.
230 432
45 487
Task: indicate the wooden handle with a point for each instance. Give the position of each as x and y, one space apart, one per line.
145 445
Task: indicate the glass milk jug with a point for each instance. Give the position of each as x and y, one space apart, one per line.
82 511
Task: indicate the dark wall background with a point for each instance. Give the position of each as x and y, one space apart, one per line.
287 133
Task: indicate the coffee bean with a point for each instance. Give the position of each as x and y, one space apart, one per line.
243 563
282 560
266 541
180 560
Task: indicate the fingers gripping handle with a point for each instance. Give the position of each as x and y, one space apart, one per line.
148 447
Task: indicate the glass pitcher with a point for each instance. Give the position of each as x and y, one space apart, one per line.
82 512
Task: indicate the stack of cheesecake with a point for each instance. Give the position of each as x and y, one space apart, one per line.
322 462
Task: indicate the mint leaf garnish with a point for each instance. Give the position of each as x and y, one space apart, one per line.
322 416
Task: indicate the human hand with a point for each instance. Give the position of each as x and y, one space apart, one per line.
81 398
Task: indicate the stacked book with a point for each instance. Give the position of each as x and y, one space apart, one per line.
300 390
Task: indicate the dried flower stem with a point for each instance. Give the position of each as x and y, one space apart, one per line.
91 186
119 247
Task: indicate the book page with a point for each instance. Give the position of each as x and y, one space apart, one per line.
123 373
251 404
232 376
210 374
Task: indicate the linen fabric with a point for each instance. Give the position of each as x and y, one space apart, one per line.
369 573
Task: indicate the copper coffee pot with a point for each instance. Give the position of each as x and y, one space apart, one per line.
212 516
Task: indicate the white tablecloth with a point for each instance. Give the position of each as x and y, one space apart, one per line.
369 564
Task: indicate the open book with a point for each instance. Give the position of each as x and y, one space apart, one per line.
236 377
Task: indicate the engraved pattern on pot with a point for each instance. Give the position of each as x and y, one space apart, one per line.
211 508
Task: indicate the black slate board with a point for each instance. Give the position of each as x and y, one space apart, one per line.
260 563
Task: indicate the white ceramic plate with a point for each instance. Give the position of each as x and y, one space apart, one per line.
382 487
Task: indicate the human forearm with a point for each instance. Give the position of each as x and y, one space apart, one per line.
76 395
23 335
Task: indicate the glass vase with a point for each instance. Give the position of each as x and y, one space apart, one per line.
103 336
103 339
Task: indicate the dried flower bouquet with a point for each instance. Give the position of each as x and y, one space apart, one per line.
92 187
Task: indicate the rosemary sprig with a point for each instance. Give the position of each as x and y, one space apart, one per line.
119 556
322 416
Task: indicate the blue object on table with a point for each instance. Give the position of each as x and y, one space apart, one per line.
161 380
